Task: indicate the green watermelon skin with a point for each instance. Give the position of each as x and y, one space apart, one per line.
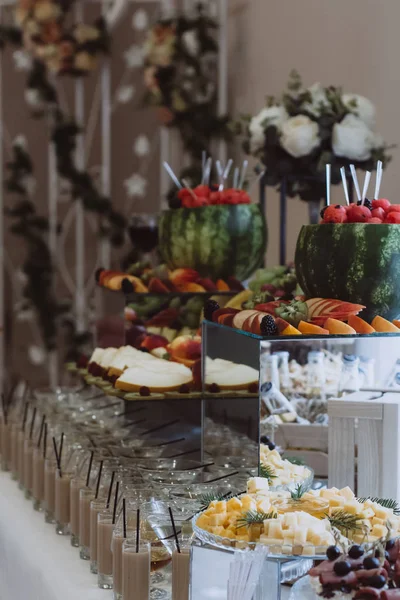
354 262
217 241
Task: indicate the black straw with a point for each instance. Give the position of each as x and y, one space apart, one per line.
98 480
41 431
25 416
160 427
184 453
61 447
89 468
45 441
115 503
124 517
182 439
56 453
110 489
137 529
32 423
222 477
174 528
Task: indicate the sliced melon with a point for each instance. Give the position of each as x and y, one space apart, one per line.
156 380
360 325
336 327
384 326
230 376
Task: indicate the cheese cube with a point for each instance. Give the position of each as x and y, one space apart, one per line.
381 512
337 501
248 503
309 550
376 521
379 530
233 504
220 507
287 549
217 519
264 506
275 529
228 533
347 493
328 494
257 484
270 541
218 530
289 520
203 521
300 535
352 507
367 513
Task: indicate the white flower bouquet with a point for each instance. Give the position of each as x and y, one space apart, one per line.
296 135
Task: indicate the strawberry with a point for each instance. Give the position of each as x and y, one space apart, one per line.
381 203
335 214
374 220
202 190
215 198
393 217
378 213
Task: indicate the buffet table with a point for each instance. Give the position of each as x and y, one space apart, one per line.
35 563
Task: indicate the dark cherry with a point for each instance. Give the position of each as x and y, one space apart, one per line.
342 568
214 388
390 544
333 552
370 562
376 581
144 391
356 551
271 446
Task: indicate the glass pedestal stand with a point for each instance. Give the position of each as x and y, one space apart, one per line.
277 571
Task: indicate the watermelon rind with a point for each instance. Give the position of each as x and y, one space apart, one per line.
217 241
353 262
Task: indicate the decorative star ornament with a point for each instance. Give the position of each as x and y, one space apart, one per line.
141 147
135 186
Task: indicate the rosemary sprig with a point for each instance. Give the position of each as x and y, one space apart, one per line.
255 517
385 502
267 472
343 520
299 491
206 499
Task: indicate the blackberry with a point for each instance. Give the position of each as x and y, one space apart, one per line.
214 388
127 286
209 308
268 326
342 568
366 203
356 551
333 552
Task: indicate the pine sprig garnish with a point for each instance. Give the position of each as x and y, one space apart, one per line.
267 472
385 502
344 521
255 517
206 499
299 491
295 461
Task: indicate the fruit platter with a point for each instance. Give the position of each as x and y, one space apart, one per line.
165 371
357 573
299 523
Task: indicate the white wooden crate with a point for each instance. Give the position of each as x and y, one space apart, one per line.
364 443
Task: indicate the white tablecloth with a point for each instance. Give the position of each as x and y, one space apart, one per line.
37 564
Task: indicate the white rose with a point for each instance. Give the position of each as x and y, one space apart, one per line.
299 136
364 109
318 100
353 139
272 115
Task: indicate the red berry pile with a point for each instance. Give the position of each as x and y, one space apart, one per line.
377 211
202 195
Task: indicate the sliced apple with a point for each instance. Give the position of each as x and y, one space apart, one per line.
223 311
256 323
226 320
241 316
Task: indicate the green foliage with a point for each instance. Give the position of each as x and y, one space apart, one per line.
299 491
385 502
254 517
267 472
344 521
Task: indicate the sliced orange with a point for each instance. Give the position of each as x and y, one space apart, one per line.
336 327
360 325
290 330
190 286
384 326
309 328
396 322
